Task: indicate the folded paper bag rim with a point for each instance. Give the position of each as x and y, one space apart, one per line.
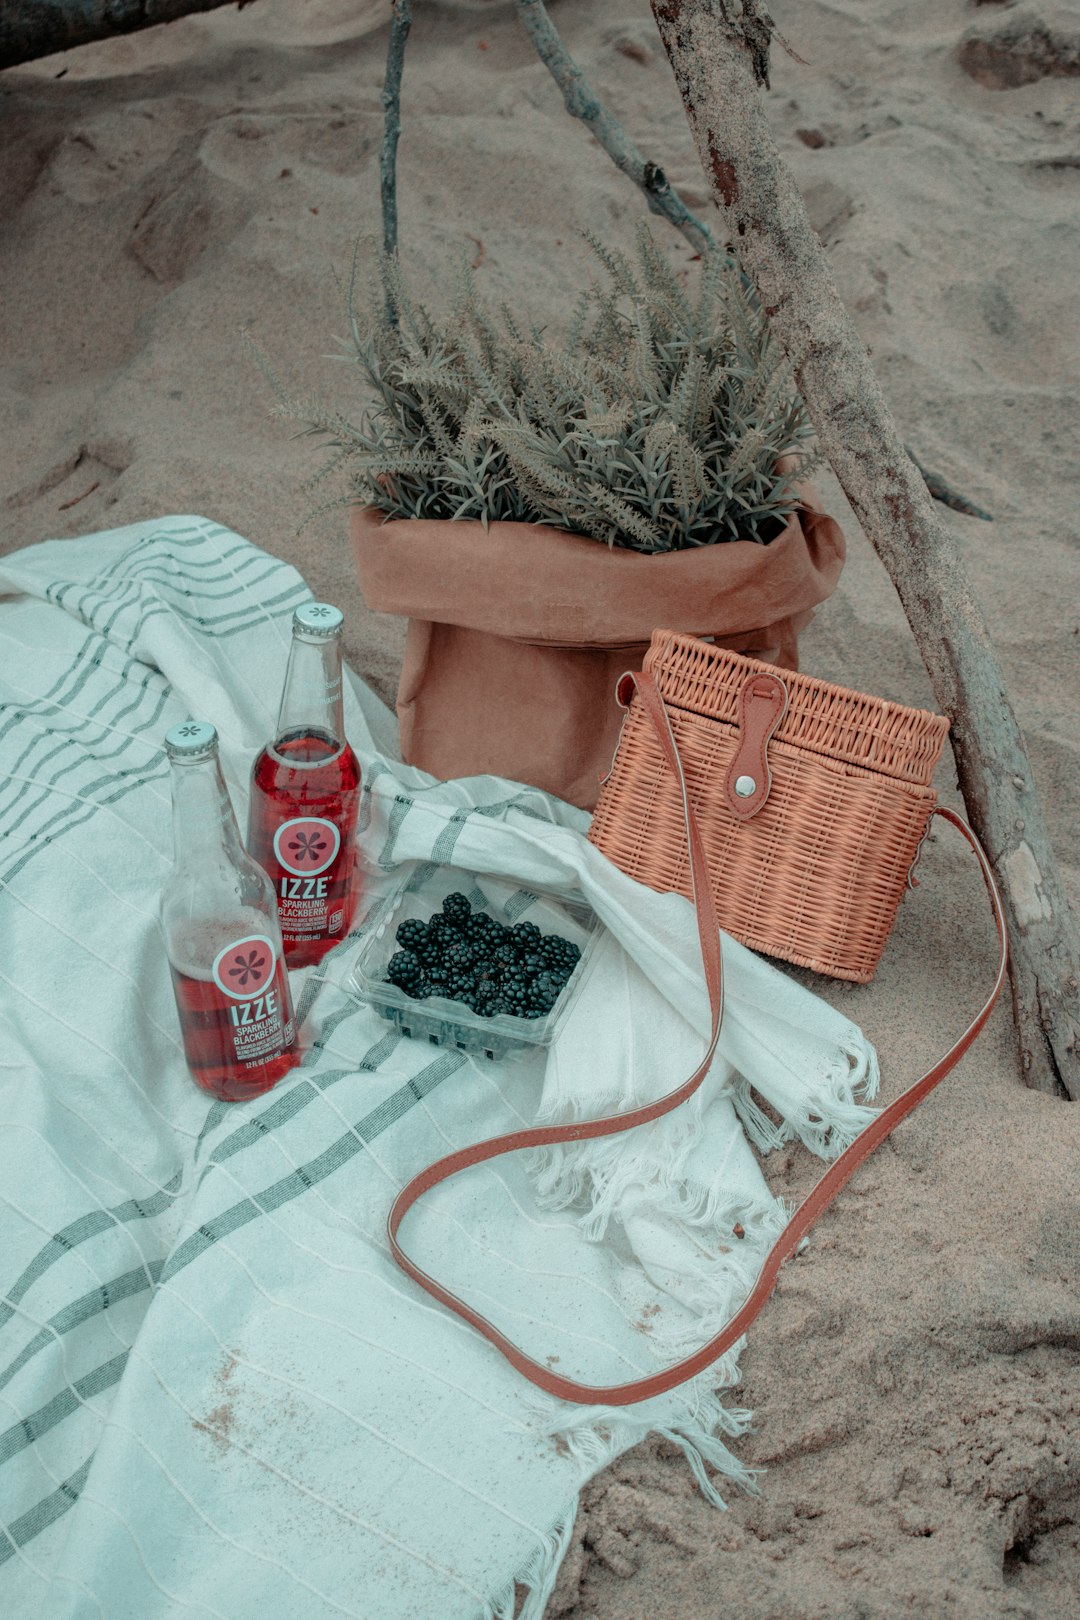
535 583
518 633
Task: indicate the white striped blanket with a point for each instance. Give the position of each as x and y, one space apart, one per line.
217 1394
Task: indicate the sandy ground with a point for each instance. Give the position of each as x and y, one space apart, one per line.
916 1379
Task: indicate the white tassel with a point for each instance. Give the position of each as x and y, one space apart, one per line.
542 1570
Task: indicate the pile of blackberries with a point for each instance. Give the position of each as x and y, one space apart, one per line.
465 955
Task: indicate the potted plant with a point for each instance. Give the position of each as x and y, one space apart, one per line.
537 507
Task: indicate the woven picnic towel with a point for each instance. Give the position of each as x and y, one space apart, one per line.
219 1395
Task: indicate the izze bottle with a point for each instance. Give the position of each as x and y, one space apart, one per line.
221 933
305 789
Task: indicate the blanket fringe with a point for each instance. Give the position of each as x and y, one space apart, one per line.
595 1436
598 1447
539 1572
834 1110
693 1416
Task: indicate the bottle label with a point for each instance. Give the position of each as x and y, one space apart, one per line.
306 848
259 1022
305 790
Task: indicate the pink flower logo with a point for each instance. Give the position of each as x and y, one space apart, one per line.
245 968
248 969
307 845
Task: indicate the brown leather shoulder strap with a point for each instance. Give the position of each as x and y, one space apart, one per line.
824 1192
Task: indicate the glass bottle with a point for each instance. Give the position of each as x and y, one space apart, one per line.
305 791
221 933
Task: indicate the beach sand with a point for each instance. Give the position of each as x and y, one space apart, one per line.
916 1378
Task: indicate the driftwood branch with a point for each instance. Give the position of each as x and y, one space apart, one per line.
582 102
715 50
33 28
391 100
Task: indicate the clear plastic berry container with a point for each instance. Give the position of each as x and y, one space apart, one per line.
445 1020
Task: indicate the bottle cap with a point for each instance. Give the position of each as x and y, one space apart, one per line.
191 739
318 619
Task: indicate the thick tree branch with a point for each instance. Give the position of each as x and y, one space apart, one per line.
33 28
714 47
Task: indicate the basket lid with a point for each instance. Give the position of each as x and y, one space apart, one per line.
870 732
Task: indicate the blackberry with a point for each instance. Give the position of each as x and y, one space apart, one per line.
457 908
560 954
525 937
404 969
410 932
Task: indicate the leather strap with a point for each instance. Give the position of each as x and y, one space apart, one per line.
762 705
818 1199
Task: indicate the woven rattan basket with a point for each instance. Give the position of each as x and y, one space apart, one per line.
816 874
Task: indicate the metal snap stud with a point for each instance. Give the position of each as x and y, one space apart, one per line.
745 786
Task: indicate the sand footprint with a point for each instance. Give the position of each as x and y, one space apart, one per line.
103 157
88 470
187 209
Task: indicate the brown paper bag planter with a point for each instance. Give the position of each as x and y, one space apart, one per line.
517 635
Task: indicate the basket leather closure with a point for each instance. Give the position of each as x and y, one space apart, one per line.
763 702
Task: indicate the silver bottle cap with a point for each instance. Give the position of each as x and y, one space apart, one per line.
318 620
191 739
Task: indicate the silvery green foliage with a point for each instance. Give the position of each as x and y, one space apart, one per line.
656 423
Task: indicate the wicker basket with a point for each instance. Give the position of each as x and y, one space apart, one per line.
816 874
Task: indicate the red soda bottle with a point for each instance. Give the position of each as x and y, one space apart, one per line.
305 791
221 934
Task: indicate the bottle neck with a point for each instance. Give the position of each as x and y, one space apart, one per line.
204 824
311 703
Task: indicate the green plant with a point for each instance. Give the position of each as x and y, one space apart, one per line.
656 423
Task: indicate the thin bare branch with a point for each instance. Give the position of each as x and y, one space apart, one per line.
582 102
391 100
